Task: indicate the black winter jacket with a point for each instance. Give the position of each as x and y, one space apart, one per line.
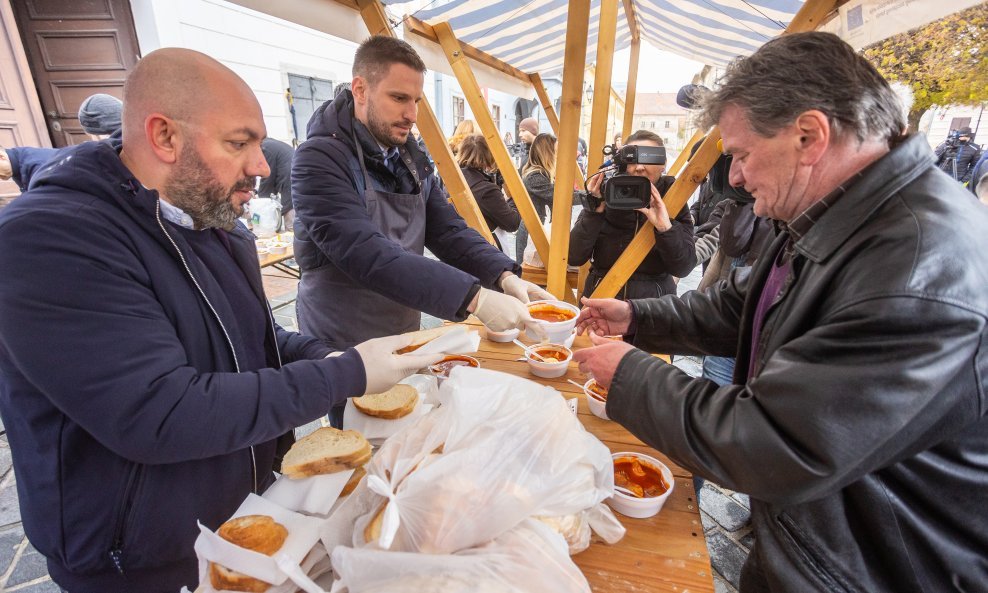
863 440
498 212
603 237
119 386
332 218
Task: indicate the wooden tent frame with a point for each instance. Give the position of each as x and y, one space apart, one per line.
554 252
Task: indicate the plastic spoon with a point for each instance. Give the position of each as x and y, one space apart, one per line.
528 349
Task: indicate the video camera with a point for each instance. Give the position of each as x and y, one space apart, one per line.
621 190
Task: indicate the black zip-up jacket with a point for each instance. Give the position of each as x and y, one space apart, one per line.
127 417
863 440
603 237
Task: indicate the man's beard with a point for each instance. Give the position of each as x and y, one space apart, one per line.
381 130
194 189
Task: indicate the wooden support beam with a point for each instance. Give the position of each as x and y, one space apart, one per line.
675 200
427 31
606 33
481 113
376 20
685 154
629 13
813 14
632 89
574 65
550 114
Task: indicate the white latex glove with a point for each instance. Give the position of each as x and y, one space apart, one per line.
523 290
501 312
384 368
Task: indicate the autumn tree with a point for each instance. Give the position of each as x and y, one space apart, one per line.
944 62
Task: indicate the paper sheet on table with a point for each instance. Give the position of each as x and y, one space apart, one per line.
314 495
456 341
303 534
376 430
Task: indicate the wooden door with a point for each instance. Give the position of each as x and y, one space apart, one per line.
76 48
20 111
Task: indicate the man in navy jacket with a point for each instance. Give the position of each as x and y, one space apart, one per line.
143 382
367 206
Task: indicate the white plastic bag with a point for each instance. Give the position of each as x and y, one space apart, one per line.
530 557
265 216
531 256
501 449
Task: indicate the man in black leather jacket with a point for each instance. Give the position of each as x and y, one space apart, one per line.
856 419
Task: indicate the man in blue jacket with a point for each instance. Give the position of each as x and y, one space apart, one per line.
143 382
367 206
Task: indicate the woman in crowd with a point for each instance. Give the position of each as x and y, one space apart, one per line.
477 163
602 235
463 129
539 174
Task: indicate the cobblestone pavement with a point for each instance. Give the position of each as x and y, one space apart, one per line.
725 514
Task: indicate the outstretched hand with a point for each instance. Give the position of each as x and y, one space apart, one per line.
602 360
604 317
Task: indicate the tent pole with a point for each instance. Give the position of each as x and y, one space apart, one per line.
512 180
574 64
630 92
606 32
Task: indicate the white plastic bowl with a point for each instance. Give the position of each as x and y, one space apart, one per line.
597 408
556 331
641 508
505 336
548 370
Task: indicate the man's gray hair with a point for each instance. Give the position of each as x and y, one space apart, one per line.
796 73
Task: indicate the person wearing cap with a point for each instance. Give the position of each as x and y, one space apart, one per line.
99 115
957 155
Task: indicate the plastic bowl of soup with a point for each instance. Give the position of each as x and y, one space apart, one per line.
442 368
555 360
647 477
596 398
557 318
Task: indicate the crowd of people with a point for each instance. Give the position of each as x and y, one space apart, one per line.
145 384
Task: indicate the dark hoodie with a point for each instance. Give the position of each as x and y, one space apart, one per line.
333 227
122 383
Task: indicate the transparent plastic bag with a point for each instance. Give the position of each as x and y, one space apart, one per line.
530 557
499 450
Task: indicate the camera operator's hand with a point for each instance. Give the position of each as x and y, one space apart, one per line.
656 213
593 188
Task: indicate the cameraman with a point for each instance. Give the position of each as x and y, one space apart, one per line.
957 155
602 235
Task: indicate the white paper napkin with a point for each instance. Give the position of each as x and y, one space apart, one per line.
315 495
456 341
303 533
376 430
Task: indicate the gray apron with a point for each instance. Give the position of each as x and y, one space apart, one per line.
343 313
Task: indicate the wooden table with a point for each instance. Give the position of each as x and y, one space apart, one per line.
667 552
277 261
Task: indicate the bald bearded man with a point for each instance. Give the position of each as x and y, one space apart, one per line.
144 383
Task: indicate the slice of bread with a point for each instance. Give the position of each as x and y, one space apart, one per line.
351 484
424 336
397 402
259 533
372 532
326 451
